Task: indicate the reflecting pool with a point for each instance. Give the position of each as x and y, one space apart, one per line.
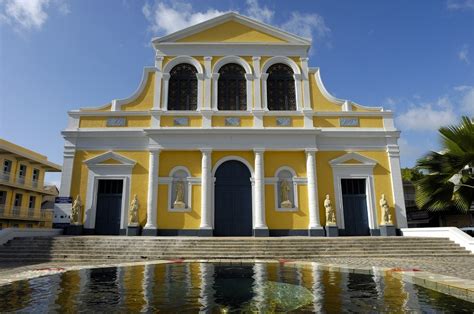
208 287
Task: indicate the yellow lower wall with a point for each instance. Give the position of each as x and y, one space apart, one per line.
270 121
272 160
168 121
333 122
245 121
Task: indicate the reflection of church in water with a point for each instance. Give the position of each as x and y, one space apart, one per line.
232 133
183 287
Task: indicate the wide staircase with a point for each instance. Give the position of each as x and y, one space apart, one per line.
127 249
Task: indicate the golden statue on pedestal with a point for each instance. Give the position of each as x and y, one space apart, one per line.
76 211
179 201
133 212
285 194
387 217
330 212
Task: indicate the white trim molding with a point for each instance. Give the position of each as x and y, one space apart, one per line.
98 171
294 184
398 196
248 78
361 170
199 75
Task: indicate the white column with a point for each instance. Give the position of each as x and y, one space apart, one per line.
200 79
397 185
249 80
256 84
260 226
298 90
207 83
264 77
157 91
215 78
152 199
164 95
313 206
66 173
305 80
206 223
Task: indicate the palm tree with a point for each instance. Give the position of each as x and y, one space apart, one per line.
449 183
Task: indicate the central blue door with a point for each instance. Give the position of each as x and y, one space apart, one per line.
233 200
354 202
109 205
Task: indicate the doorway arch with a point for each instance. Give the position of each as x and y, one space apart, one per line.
232 199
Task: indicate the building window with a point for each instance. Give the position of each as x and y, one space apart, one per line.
22 174
29 225
3 198
32 202
16 225
285 190
280 88
7 168
179 190
18 198
35 177
232 91
182 89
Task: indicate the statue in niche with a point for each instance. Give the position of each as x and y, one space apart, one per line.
285 194
179 201
133 212
76 211
330 212
387 217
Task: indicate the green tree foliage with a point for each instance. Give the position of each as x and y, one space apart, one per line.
411 174
449 183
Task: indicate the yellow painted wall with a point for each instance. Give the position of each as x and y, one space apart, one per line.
270 121
168 121
145 100
333 122
231 32
101 122
318 101
382 183
139 182
245 121
179 220
294 160
286 220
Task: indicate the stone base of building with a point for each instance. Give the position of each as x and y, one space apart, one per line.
287 232
150 232
332 231
205 232
74 230
388 231
261 233
133 230
316 232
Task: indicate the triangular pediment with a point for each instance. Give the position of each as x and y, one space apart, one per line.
110 159
232 28
353 159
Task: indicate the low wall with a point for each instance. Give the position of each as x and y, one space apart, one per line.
453 233
9 233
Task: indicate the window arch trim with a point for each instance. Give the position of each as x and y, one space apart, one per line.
166 77
296 75
189 181
248 77
294 183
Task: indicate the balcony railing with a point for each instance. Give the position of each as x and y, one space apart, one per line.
20 213
6 177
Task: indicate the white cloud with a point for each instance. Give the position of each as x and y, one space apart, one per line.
463 54
168 18
255 11
426 117
460 4
307 25
467 100
29 14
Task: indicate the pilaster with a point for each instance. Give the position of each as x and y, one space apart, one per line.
397 185
260 227
151 227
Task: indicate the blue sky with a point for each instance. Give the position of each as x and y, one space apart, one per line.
413 57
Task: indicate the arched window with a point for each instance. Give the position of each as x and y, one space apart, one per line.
285 189
179 190
182 89
232 94
280 88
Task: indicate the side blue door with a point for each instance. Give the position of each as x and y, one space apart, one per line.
354 202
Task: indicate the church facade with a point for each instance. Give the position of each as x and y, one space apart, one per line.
231 133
